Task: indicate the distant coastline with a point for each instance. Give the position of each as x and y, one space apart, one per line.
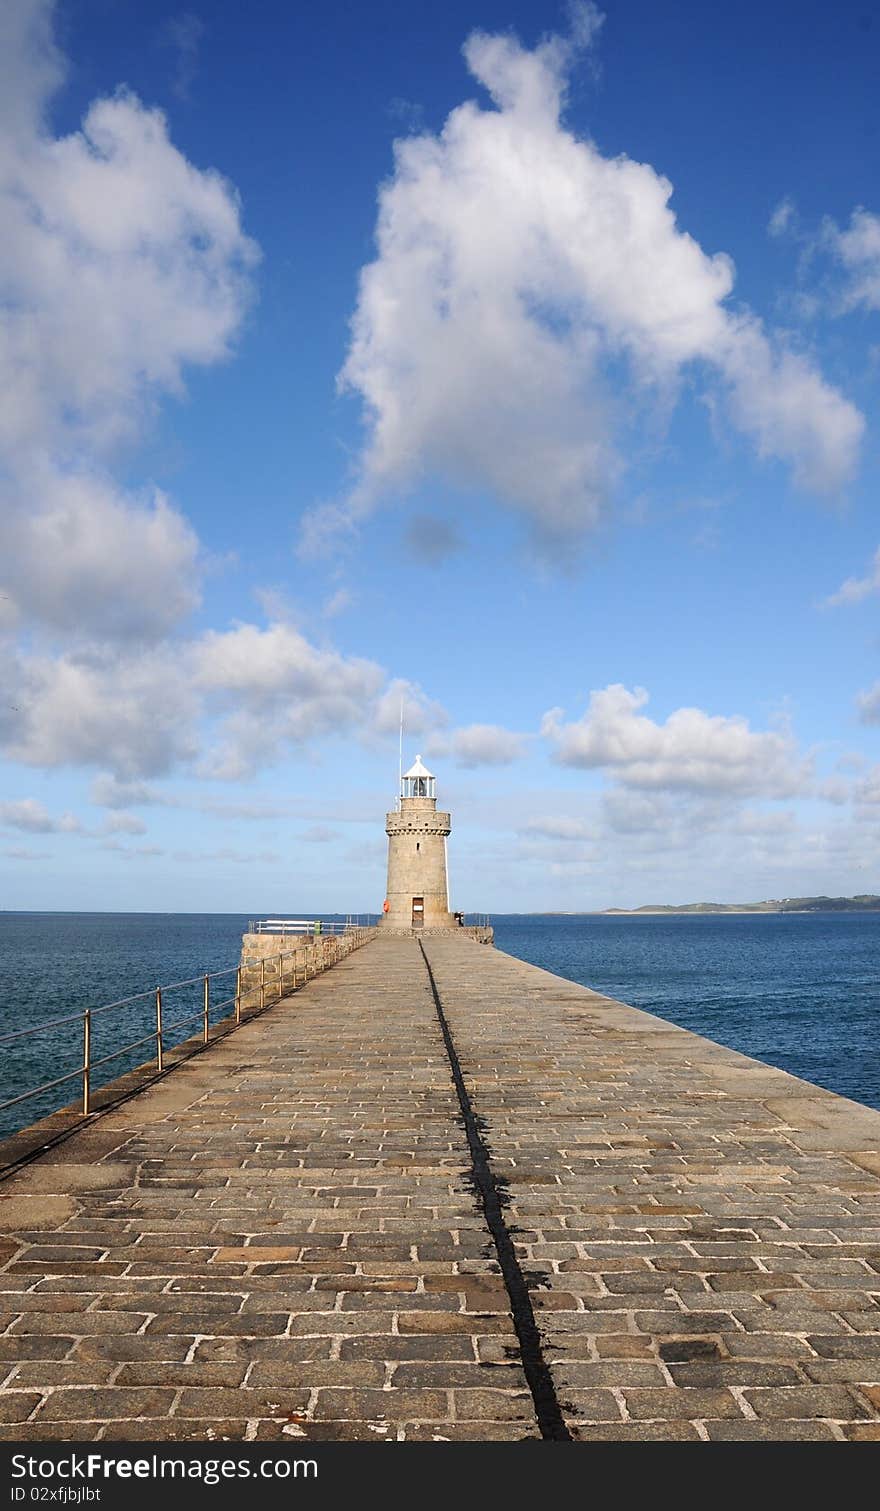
866 903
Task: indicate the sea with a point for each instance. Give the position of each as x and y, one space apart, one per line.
798 990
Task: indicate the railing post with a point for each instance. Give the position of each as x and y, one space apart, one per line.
207 1007
263 981
280 969
160 1059
238 995
87 1063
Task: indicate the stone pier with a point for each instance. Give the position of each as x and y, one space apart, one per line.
325 1226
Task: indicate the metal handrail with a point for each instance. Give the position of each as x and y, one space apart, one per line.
115 1053
151 992
46 1086
313 926
353 935
35 1028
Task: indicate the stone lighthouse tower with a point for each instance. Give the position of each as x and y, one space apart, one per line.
417 895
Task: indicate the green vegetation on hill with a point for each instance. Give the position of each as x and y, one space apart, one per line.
864 903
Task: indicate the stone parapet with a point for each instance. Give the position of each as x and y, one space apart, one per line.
427 822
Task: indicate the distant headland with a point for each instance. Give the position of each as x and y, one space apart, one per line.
867 903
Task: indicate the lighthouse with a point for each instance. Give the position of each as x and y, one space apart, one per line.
418 892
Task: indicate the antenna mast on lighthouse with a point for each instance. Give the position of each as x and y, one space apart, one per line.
400 757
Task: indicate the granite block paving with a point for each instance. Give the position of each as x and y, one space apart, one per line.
726 1215
281 1240
278 1241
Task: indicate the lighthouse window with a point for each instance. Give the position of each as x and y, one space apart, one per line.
417 845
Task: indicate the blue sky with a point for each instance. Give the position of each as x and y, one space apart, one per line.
518 361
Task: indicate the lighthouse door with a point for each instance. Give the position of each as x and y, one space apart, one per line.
418 912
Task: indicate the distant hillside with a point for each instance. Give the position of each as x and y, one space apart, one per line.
865 903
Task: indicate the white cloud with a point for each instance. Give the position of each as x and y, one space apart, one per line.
480 745
514 262
31 68
858 249
692 750
75 554
857 588
222 705
268 668
33 818
627 811
788 409
107 791
131 713
420 713
280 690
120 265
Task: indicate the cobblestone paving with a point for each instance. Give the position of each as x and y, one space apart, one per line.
281 1240
703 1230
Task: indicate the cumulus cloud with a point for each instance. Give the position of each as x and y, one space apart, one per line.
515 264
33 818
480 745
223 705
120 265
77 554
130 713
854 589
107 791
692 750
420 713
280 690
